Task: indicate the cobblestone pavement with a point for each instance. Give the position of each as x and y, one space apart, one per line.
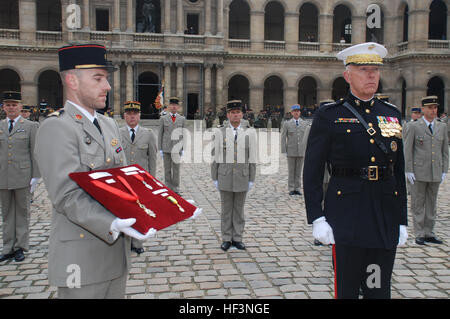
185 260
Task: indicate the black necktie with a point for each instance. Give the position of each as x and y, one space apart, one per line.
235 134
11 125
97 125
132 135
431 128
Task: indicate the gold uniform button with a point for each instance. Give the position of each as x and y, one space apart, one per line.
367 111
370 124
396 193
348 131
339 192
108 160
372 141
81 235
372 159
121 160
92 164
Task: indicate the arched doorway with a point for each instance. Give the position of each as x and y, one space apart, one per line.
376 32
147 89
307 92
274 21
9 14
239 89
148 16
308 23
50 89
437 28
340 89
9 81
342 24
437 87
239 20
48 14
273 93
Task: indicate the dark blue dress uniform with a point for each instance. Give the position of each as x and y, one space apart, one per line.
365 202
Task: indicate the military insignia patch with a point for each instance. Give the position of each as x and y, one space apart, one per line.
394 146
118 150
78 117
114 142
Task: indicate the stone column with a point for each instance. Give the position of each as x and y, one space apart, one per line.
167 82
207 17
219 86
167 16
290 97
256 98
64 33
86 16
116 25
325 32
27 21
207 85
220 17
180 24
116 92
130 15
359 29
291 31
418 24
257 30
130 81
180 88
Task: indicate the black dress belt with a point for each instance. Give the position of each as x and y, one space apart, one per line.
370 173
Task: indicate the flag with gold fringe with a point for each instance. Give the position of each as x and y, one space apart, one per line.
159 101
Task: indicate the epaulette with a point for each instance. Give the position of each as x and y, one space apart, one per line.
332 104
56 113
389 104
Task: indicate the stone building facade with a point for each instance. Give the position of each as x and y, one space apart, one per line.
265 52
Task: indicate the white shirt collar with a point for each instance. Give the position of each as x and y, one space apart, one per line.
135 129
428 123
85 112
15 120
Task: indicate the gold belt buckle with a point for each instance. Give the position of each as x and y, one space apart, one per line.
372 173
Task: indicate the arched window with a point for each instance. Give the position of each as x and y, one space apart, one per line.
437 87
340 89
308 23
9 14
239 89
48 15
239 20
375 33
9 81
437 29
148 16
147 89
405 23
342 24
273 92
403 105
50 89
307 91
274 21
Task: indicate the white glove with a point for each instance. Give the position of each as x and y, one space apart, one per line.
411 178
124 226
33 184
216 184
250 185
197 212
443 177
162 153
181 153
322 231
403 235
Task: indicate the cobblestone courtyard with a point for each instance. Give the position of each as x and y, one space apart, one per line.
185 260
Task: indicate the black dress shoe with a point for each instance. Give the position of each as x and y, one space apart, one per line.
238 244
420 241
292 193
297 193
433 240
6 257
137 250
18 255
225 245
317 243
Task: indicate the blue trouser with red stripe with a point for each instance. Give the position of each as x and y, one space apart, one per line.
368 268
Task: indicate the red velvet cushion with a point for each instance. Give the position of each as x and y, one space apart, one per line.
120 200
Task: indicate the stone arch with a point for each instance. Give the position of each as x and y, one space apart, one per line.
239 20
239 88
9 80
274 21
308 23
50 89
